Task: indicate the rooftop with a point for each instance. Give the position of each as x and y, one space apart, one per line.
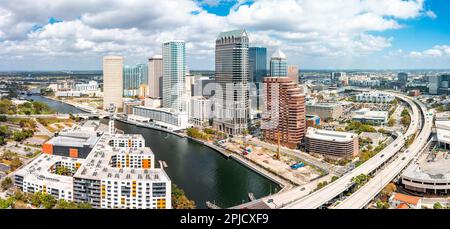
414 200
75 139
232 33
278 55
97 164
328 135
431 168
38 171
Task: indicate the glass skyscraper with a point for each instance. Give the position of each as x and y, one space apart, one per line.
257 59
133 77
174 75
231 95
278 64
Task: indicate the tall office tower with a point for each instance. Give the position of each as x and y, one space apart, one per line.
293 73
257 59
433 84
231 95
284 114
155 74
174 75
133 77
112 81
278 64
402 77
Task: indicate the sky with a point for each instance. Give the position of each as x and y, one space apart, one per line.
314 34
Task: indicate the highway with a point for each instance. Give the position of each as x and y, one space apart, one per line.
367 192
334 189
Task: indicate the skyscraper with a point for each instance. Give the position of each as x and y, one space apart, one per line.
284 111
402 77
278 64
231 95
112 81
155 74
133 77
174 75
257 58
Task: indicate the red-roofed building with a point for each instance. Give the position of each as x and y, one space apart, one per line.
401 201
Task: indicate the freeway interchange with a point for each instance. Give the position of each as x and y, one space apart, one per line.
390 170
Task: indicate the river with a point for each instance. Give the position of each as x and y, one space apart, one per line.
204 175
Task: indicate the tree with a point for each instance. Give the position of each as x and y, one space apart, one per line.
15 163
179 199
6 183
406 120
64 204
382 205
389 189
4 131
334 178
391 122
63 170
437 205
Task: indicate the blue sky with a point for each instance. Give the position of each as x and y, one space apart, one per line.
314 34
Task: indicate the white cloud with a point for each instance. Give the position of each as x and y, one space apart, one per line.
436 51
92 28
431 14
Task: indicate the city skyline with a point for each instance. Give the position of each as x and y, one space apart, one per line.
363 35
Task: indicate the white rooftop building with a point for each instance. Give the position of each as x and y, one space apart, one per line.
365 115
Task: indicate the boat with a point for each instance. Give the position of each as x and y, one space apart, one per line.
251 196
211 205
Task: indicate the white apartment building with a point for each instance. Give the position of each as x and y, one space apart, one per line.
122 177
119 172
91 88
164 118
199 111
40 176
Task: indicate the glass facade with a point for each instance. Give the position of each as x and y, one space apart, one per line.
174 75
133 77
278 67
257 58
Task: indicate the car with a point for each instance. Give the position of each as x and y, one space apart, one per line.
382 155
302 189
403 158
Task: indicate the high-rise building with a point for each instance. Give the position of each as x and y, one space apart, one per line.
133 77
174 75
402 77
284 114
155 74
231 106
293 73
112 81
278 64
433 84
257 59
